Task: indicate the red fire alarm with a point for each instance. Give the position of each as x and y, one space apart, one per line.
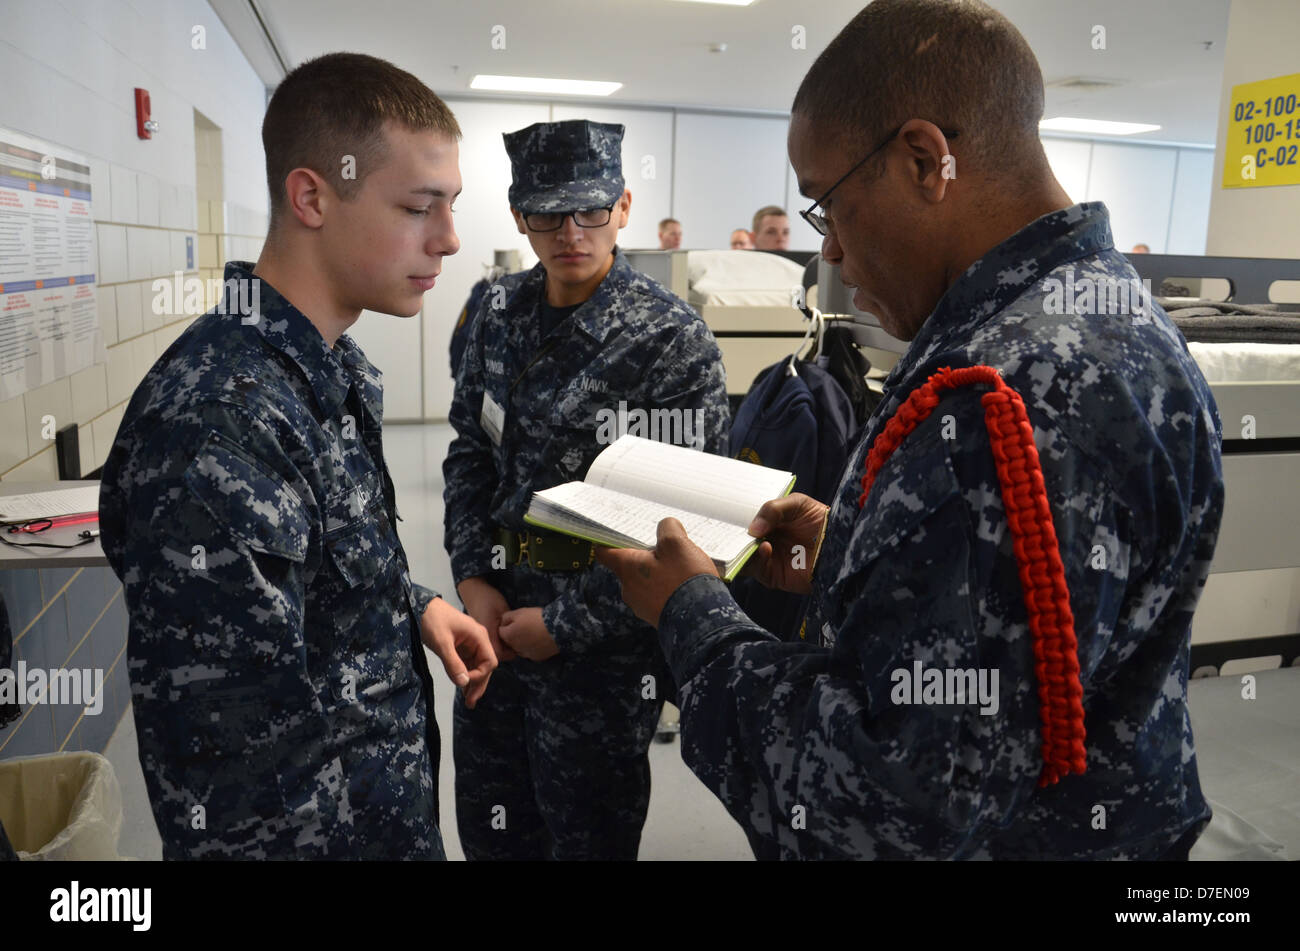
145 127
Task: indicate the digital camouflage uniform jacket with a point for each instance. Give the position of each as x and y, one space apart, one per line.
277 673
632 341
812 746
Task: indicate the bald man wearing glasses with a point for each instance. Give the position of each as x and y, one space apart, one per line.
994 663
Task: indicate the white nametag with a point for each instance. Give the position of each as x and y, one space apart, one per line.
492 419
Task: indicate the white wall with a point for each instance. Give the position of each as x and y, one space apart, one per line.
1256 222
725 168
68 69
1156 194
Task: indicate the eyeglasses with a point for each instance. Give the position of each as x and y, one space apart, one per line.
554 220
820 223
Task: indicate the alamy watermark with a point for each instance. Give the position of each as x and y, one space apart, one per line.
680 427
1099 296
78 904
181 296
59 685
945 686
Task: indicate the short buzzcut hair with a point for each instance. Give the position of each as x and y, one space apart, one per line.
765 212
668 221
336 105
957 63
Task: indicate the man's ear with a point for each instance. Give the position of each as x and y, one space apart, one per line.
308 197
930 163
625 205
519 220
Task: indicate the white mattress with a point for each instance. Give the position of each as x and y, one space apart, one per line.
742 278
1236 362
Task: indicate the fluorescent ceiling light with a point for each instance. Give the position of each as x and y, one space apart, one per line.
560 87
1094 126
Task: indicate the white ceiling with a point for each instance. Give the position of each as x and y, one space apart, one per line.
659 49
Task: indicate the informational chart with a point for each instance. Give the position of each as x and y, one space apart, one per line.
49 324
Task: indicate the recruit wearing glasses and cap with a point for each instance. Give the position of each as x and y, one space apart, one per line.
560 742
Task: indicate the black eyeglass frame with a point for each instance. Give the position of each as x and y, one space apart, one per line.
820 223
608 209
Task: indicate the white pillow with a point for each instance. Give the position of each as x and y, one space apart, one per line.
711 271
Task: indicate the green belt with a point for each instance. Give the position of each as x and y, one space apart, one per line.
546 551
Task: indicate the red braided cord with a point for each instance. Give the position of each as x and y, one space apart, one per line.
1042 573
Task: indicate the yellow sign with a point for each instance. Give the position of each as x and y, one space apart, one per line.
1262 147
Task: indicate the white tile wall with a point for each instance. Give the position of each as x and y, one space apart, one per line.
42 467
86 446
105 429
125 198
143 354
13 447
160 262
106 303
90 392
101 196
121 374
112 253
148 194
52 399
139 252
130 314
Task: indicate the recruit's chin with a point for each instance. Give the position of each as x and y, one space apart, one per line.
399 307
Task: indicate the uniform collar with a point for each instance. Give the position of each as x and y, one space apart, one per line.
329 373
1005 273
599 313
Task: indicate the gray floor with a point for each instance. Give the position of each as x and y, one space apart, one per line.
1248 750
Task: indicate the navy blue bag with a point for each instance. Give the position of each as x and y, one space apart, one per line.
806 424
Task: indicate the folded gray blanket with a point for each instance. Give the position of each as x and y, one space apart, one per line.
1211 321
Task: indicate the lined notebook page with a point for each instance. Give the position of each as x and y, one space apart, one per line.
729 490
639 519
51 504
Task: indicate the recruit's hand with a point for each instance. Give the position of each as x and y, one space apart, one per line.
649 578
485 604
524 631
459 641
791 527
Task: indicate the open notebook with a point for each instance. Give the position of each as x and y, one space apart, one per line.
636 482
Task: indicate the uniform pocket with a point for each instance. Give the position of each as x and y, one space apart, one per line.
242 496
359 553
222 755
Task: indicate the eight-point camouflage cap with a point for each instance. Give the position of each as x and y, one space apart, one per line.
565 166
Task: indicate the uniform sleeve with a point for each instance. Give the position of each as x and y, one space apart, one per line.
821 749
469 471
421 598
687 376
229 723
